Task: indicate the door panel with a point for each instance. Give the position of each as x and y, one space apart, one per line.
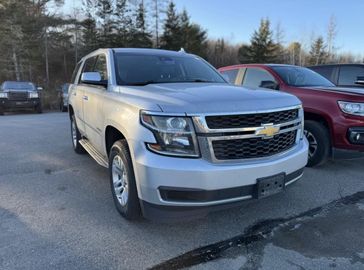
93 100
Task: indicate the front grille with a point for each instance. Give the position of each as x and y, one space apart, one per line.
253 147
18 96
250 120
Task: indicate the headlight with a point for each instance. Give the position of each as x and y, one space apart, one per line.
354 108
33 95
3 95
175 135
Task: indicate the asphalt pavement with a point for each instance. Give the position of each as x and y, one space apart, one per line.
56 212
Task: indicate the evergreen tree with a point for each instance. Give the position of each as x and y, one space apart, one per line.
318 54
244 54
104 13
142 38
124 25
262 48
193 38
90 36
172 35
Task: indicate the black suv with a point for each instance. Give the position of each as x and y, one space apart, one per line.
346 75
19 95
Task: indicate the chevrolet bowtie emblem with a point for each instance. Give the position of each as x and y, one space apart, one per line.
267 131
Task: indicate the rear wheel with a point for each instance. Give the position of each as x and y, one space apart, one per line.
76 137
122 180
319 143
1 111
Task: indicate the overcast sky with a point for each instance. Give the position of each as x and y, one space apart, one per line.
235 20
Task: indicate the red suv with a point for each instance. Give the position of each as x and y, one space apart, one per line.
334 117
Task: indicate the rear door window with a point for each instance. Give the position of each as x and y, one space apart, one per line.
254 77
349 74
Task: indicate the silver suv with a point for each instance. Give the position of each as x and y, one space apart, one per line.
177 139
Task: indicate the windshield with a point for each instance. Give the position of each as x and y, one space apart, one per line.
18 86
145 69
301 77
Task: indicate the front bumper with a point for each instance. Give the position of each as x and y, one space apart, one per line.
233 182
345 131
7 104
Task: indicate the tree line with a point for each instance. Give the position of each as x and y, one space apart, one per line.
40 44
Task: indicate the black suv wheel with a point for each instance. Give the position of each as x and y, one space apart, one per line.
319 143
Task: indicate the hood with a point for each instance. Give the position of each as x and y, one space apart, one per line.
348 90
197 98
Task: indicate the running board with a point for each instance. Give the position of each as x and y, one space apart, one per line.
94 153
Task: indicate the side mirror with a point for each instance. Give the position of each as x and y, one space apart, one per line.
360 80
269 84
93 78
40 88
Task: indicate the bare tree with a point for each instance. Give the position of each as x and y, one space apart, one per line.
331 35
158 7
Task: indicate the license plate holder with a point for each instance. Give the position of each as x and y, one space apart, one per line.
270 185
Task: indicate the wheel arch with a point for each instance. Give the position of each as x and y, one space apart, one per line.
112 134
314 116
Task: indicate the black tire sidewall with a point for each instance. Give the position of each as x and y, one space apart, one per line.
38 109
131 210
322 136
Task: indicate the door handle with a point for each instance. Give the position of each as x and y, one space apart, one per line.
85 97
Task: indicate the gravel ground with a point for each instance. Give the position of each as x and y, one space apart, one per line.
56 212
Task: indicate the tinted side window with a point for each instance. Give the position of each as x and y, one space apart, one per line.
255 76
348 74
101 67
327 72
230 75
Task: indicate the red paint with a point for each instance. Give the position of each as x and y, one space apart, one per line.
321 103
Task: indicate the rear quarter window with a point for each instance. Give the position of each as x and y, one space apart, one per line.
327 72
349 74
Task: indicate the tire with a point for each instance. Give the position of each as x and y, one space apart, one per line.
76 137
319 143
122 181
38 109
1 111
64 109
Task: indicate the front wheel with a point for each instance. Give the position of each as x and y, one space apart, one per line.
319 143
122 180
38 109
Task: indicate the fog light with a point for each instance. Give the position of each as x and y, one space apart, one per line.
356 135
